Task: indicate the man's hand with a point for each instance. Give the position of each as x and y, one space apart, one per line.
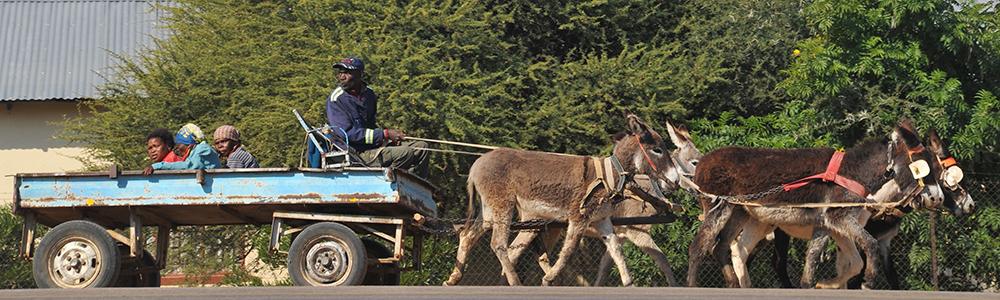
394 136
147 171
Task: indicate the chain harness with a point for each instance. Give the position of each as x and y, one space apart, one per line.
879 208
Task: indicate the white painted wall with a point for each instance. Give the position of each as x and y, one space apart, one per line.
28 143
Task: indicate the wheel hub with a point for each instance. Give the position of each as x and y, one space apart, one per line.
75 264
326 262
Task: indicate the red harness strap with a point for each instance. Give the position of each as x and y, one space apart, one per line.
830 175
948 162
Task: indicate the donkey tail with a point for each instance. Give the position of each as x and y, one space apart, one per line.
470 187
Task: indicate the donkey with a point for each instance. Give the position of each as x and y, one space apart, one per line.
957 201
685 157
744 171
566 188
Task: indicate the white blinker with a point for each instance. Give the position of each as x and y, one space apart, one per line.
953 175
920 169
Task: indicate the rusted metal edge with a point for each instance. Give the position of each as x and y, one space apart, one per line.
298 199
418 179
337 218
207 171
17 198
158 172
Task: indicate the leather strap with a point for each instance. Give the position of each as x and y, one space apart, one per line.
948 162
830 175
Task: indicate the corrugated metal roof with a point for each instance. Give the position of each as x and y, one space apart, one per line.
63 49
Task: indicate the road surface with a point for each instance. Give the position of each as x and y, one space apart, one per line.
478 293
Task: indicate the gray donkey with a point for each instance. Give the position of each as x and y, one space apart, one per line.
685 157
579 190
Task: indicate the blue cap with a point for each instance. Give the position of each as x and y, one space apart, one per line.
190 134
350 63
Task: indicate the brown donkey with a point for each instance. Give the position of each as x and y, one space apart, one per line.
741 171
579 190
685 157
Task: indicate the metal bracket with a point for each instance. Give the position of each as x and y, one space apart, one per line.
397 253
275 235
135 232
27 246
162 244
278 218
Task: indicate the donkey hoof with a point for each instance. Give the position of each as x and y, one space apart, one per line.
546 281
867 286
827 285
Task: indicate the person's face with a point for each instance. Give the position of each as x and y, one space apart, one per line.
156 149
348 79
181 150
226 146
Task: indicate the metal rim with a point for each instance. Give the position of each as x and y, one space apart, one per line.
76 263
327 261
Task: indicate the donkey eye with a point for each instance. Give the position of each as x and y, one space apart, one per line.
694 162
656 151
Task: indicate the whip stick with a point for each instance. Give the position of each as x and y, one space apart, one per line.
451 143
449 151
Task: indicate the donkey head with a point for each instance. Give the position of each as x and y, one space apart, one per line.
643 151
909 167
956 199
686 156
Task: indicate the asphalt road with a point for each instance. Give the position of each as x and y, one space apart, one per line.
477 293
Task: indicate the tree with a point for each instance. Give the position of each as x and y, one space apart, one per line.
558 76
868 63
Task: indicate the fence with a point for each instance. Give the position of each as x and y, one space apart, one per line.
968 253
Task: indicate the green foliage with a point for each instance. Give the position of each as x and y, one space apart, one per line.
558 76
869 63
15 272
736 50
794 126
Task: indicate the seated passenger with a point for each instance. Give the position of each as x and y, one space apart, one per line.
197 153
159 144
227 142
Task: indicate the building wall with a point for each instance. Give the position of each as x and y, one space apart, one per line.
28 143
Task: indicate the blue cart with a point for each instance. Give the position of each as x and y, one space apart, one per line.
348 223
96 219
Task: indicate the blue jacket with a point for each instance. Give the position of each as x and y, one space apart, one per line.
355 114
201 157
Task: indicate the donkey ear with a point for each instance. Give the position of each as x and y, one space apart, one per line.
619 136
635 126
907 132
676 135
683 130
934 141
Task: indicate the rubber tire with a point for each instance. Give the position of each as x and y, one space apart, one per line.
130 276
355 252
107 273
391 274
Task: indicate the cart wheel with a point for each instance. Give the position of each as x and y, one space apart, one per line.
380 274
134 273
76 254
326 254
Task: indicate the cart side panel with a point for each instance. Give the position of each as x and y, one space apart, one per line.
218 189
